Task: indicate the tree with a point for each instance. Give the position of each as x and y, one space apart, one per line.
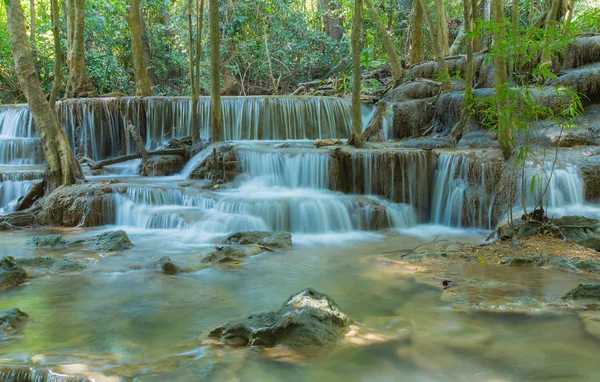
356 139
32 25
444 76
387 43
63 168
442 27
58 55
80 83
134 19
416 54
501 77
331 21
215 71
195 63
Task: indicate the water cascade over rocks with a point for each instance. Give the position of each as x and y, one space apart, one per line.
286 184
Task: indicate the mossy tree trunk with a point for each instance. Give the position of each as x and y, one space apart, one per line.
387 43
444 76
475 25
356 138
442 26
58 55
134 19
63 168
32 25
551 20
80 83
501 76
215 71
468 27
416 50
194 60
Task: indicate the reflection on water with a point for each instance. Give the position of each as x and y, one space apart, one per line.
122 320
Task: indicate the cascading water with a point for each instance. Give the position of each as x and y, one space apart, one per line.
463 191
18 145
562 186
13 185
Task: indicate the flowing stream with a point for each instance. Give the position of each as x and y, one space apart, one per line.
120 320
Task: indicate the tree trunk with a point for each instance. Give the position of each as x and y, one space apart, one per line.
546 59
442 26
416 54
475 25
80 83
32 25
444 76
455 47
356 138
501 76
195 64
332 25
487 16
468 28
142 81
58 56
569 14
63 168
515 19
215 80
147 53
387 43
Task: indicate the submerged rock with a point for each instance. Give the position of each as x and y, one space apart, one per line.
166 265
43 265
12 321
47 241
112 241
231 254
584 292
268 239
306 319
526 260
11 274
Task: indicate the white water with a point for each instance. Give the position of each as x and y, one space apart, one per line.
462 195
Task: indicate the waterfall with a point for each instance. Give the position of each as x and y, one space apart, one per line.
565 187
14 185
400 175
16 121
18 145
304 168
463 190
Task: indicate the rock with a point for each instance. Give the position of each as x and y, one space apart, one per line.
43 265
166 265
515 244
527 260
592 241
230 255
76 205
324 142
268 239
584 292
307 319
12 321
588 265
563 263
48 241
163 165
112 241
11 274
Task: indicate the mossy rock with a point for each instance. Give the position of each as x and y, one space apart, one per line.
584 292
307 319
47 241
11 321
112 241
268 239
11 274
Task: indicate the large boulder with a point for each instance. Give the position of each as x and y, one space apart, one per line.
11 274
112 241
11 321
268 239
306 319
77 205
163 165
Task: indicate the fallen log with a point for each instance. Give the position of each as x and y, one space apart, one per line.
34 194
107 162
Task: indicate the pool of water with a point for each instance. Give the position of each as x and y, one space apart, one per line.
120 320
